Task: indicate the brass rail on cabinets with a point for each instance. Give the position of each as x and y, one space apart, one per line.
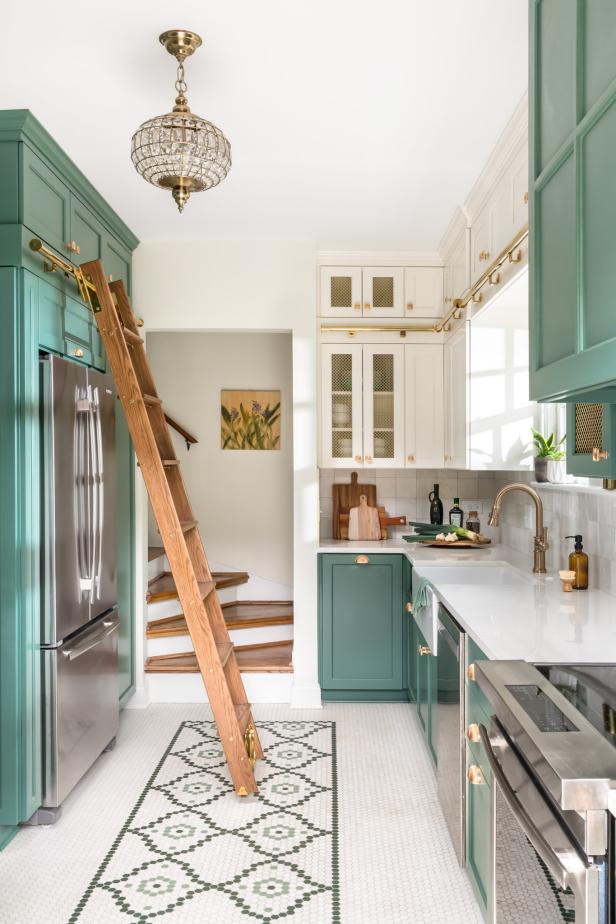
86 288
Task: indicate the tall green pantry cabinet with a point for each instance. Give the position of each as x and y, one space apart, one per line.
44 195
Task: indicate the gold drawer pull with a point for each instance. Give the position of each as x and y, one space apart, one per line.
367 306
409 306
470 673
73 247
525 197
358 458
475 775
409 607
362 560
599 454
368 459
410 458
78 352
424 650
484 255
472 733
357 306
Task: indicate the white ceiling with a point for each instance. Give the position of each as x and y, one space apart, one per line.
356 124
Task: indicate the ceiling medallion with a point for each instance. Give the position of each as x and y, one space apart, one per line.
181 151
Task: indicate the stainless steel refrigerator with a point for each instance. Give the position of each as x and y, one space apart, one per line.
79 638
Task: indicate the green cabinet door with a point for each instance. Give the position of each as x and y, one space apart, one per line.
362 626
479 846
572 200
86 231
426 690
117 261
45 202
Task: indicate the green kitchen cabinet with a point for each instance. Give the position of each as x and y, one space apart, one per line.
413 644
426 703
591 439
362 627
479 842
43 194
573 202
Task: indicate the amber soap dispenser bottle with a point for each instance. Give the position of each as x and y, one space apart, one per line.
578 562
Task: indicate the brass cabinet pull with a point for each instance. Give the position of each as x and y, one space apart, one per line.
358 458
599 454
409 607
139 322
73 247
424 650
484 255
410 458
357 306
367 458
472 733
78 352
409 306
525 197
470 673
362 560
475 775
367 306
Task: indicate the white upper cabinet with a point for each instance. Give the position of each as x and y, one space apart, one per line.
456 398
423 381
383 291
341 291
423 292
482 248
383 406
341 406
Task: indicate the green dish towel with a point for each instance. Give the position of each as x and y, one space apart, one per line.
420 594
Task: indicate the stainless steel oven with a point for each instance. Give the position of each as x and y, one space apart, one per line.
552 777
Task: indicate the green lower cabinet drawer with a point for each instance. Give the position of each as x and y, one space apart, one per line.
477 705
77 351
479 847
362 627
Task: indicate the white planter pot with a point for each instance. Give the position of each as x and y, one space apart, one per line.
557 472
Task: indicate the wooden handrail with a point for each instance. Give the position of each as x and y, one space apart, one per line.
190 439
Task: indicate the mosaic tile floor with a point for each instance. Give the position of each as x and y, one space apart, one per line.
397 864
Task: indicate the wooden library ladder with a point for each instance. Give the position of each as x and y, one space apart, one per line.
177 525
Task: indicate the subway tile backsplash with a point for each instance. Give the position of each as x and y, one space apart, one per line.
568 509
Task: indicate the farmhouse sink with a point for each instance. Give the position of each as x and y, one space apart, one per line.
490 573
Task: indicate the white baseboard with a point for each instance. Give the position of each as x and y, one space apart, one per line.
306 696
139 700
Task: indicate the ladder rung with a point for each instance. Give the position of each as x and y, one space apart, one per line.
224 651
167 463
131 337
243 716
187 525
152 400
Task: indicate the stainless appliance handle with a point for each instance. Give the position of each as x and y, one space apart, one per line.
100 486
444 634
562 874
82 506
109 626
94 492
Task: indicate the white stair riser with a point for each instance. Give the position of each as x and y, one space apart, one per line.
188 688
160 609
156 567
174 643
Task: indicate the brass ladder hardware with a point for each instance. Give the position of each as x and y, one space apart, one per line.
184 549
409 607
598 455
424 650
362 560
250 744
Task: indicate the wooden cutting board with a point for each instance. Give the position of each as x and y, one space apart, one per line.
347 496
364 522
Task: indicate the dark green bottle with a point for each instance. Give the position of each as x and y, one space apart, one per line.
436 506
456 514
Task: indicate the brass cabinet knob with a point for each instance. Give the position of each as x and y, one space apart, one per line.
409 306
410 458
139 322
424 650
448 299
78 352
484 255
368 459
362 560
358 458
599 454
73 247
525 197
472 733
409 607
475 776
367 306
357 306
470 673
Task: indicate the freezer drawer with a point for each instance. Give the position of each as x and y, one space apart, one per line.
81 711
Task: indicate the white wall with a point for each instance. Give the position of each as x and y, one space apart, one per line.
254 286
242 499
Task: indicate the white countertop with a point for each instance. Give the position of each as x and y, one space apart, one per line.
535 621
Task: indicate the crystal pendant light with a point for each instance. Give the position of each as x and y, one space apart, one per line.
181 151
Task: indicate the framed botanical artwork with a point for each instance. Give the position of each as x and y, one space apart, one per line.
249 419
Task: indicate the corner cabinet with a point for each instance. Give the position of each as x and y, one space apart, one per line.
381 405
362 627
572 201
44 195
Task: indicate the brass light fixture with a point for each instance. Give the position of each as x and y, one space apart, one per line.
181 151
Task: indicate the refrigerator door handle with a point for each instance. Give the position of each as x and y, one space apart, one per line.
82 407
93 493
109 627
100 487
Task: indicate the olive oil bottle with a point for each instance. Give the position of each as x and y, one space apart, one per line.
436 506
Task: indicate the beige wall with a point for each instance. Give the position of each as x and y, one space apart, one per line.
242 499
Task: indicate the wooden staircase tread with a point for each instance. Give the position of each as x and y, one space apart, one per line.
163 587
269 658
152 400
155 551
238 614
131 337
184 662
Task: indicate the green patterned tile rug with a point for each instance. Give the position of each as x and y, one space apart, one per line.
192 851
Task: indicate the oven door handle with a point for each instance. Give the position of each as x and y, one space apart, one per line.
566 867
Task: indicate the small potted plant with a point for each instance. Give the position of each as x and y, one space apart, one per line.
549 456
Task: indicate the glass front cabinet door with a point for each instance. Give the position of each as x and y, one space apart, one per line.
383 375
342 439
